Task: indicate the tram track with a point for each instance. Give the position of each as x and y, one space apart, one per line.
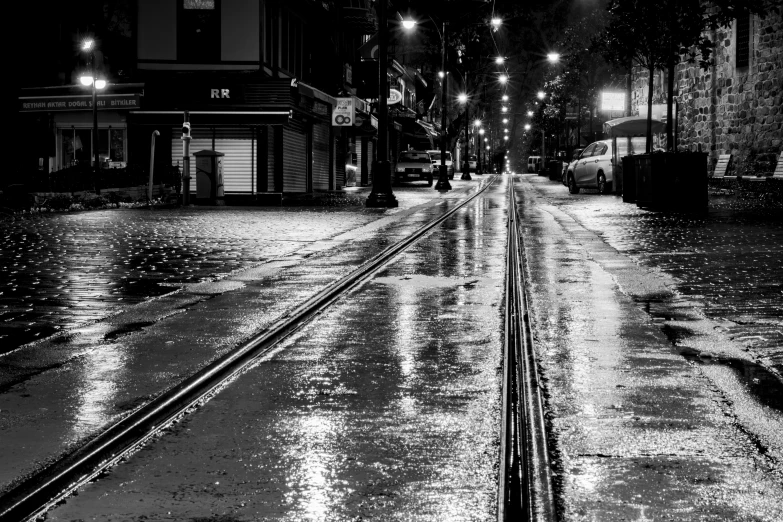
35 495
525 485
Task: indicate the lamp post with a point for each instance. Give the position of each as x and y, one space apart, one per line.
463 98
92 79
479 149
443 174
382 195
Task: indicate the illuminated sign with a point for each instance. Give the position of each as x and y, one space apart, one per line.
395 96
612 101
343 113
78 103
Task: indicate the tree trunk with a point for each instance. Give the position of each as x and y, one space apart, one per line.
649 110
670 145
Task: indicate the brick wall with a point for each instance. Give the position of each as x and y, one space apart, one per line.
727 109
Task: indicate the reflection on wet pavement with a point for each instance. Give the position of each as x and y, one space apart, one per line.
61 270
385 407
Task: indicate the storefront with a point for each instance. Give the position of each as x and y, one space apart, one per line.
61 123
275 133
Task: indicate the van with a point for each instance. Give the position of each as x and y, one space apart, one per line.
533 164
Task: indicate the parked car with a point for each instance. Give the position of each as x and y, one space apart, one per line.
593 169
435 155
533 164
414 165
570 166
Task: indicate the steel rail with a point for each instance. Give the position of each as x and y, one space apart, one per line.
525 486
35 495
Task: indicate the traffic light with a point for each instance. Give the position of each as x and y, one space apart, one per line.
186 130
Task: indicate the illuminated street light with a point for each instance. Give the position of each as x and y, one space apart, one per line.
505 130
462 97
530 113
505 138
88 46
481 131
477 123
503 78
505 120
440 74
504 109
409 24
541 95
527 126
496 23
505 97
499 60
553 57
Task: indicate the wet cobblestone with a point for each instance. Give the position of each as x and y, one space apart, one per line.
61 270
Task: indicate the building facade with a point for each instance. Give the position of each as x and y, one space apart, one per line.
736 105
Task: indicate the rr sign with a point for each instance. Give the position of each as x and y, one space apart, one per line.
343 113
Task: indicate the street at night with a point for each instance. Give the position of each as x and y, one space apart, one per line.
355 260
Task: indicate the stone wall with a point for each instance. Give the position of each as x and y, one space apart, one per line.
727 109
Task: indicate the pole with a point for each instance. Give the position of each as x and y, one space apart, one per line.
152 165
382 195
95 127
186 161
466 165
443 175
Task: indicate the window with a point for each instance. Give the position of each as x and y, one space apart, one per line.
198 31
290 43
270 34
76 146
742 45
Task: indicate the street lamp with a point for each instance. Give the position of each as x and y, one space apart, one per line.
530 113
499 60
96 84
541 95
382 195
463 98
553 57
443 174
505 97
496 23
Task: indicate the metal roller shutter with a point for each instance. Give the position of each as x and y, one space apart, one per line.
370 156
294 161
196 144
238 168
320 157
270 158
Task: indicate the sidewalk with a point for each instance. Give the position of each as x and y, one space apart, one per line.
660 348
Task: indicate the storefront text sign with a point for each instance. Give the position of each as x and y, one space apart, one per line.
395 96
343 113
78 103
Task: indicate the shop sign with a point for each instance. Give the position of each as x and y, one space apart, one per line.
343 113
395 96
78 103
612 101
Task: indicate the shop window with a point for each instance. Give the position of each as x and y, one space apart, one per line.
76 147
198 31
742 46
291 44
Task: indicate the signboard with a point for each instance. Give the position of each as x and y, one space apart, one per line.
612 101
343 113
78 103
395 96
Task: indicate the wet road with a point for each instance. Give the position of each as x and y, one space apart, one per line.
644 429
385 407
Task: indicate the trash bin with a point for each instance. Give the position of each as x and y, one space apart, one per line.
671 180
629 180
555 170
209 177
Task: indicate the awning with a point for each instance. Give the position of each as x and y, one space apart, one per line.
429 128
312 92
632 126
212 117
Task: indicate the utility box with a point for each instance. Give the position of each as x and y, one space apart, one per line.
209 177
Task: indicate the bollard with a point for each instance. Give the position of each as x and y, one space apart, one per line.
152 166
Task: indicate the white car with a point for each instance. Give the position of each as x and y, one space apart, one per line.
414 165
593 169
472 162
435 155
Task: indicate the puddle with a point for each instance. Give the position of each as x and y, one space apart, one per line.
763 384
126 329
